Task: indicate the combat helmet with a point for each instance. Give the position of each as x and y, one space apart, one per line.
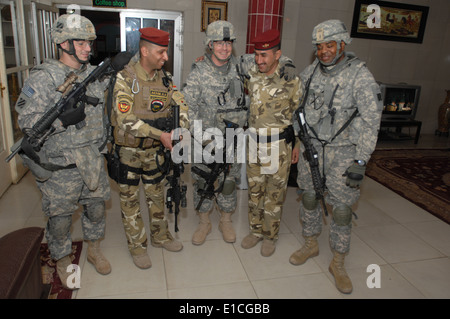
72 26
219 31
330 30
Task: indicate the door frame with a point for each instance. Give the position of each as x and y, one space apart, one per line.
177 16
178 35
14 169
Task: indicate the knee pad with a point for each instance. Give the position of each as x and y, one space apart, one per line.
309 200
228 187
342 215
95 211
59 226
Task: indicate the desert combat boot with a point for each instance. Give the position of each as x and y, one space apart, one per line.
342 280
96 258
308 250
203 229
226 227
63 273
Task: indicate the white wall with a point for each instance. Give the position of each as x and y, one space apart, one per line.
426 64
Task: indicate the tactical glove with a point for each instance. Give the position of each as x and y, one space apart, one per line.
72 115
355 175
288 71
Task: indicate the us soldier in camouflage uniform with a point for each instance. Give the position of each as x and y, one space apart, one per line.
272 103
143 93
70 168
214 92
340 85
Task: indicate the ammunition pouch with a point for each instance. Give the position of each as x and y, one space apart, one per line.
41 174
118 171
113 163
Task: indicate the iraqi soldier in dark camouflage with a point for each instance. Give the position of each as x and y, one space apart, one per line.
214 92
74 173
273 99
343 111
144 93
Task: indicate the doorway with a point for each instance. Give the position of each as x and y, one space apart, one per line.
118 30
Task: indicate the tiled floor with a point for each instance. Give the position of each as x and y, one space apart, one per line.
411 246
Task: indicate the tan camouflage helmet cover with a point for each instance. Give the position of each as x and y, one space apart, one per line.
72 26
330 30
219 31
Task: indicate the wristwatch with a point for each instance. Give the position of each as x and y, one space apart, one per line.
360 162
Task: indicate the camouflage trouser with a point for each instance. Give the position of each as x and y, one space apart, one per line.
226 203
266 193
154 194
337 160
62 194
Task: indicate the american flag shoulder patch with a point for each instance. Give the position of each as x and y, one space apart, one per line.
28 90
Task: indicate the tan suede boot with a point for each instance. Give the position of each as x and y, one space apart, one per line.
61 269
308 250
203 229
343 282
96 258
226 227
142 261
267 247
250 241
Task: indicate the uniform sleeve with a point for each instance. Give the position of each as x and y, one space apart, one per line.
37 96
122 108
297 95
179 99
368 98
192 92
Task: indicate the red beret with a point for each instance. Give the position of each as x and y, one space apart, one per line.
267 40
155 36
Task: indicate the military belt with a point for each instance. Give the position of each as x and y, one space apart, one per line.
287 134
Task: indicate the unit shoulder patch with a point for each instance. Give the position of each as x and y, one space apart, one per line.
123 103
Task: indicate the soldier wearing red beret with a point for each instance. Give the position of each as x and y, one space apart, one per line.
143 93
273 100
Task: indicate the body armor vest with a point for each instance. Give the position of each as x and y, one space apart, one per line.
330 104
151 101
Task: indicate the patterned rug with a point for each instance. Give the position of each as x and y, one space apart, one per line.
49 274
419 175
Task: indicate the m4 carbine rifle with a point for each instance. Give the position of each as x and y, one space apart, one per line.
216 169
41 130
176 193
311 156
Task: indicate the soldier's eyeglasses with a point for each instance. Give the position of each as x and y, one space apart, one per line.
223 43
83 43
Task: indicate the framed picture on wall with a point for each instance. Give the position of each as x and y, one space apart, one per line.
213 11
391 21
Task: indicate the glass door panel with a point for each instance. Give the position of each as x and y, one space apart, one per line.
171 22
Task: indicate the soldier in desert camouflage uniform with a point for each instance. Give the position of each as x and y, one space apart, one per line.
272 103
214 92
71 170
342 97
143 93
